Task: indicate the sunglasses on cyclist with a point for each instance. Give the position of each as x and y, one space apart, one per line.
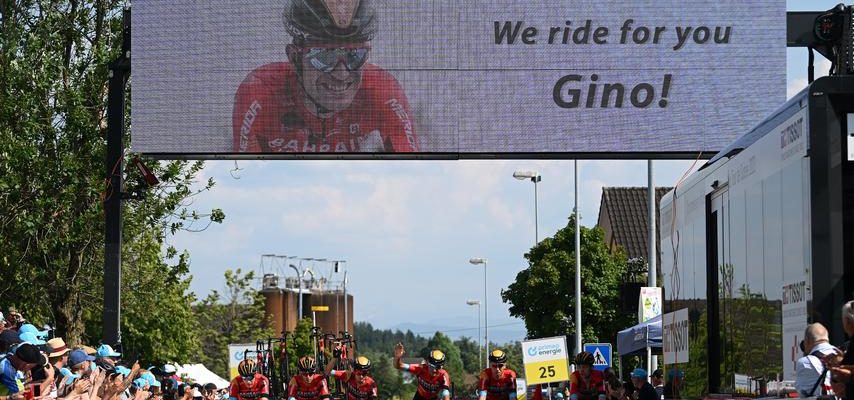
325 59
497 365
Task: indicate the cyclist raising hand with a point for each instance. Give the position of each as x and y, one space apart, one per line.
434 383
356 379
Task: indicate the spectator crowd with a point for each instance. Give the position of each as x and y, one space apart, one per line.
36 366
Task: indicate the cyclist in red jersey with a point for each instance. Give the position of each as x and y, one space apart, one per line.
327 98
249 384
434 383
356 379
586 383
308 384
497 382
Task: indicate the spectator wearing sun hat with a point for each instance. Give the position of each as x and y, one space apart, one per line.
58 358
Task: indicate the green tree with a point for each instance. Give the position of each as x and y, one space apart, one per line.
543 295
383 341
54 59
302 344
239 317
514 357
471 355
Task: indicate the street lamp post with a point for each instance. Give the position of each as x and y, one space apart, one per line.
577 267
479 345
535 177
301 276
478 261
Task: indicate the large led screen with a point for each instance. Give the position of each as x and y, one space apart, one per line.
452 77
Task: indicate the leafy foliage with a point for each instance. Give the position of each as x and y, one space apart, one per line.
544 294
54 65
383 341
239 317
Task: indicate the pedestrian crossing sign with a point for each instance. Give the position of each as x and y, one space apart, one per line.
601 355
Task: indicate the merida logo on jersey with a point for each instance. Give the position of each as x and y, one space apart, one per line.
404 118
354 391
429 386
248 120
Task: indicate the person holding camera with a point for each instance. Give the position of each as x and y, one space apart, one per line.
811 376
841 363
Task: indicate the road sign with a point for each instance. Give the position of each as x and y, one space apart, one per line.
601 354
546 360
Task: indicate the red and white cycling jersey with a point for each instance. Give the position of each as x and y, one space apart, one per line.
313 388
270 116
497 387
356 391
243 390
430 383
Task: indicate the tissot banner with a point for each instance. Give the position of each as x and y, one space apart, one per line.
272 77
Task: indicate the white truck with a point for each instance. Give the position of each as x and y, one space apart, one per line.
760 241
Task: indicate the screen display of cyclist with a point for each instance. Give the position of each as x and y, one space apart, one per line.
448 78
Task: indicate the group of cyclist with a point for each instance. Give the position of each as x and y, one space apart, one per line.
497 382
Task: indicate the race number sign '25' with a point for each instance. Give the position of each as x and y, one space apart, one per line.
450 78
546 360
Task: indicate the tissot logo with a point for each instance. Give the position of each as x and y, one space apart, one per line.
792 133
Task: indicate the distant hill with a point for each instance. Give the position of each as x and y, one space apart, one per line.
499 333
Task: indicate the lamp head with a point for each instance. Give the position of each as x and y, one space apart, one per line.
525 175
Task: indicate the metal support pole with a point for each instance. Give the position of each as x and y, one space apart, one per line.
577 268
346 308
652 253
479 346
536 211
301 277
119 72
299 301
485 316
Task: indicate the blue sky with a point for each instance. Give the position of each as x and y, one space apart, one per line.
408 229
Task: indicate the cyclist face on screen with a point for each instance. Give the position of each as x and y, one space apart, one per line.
331 73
